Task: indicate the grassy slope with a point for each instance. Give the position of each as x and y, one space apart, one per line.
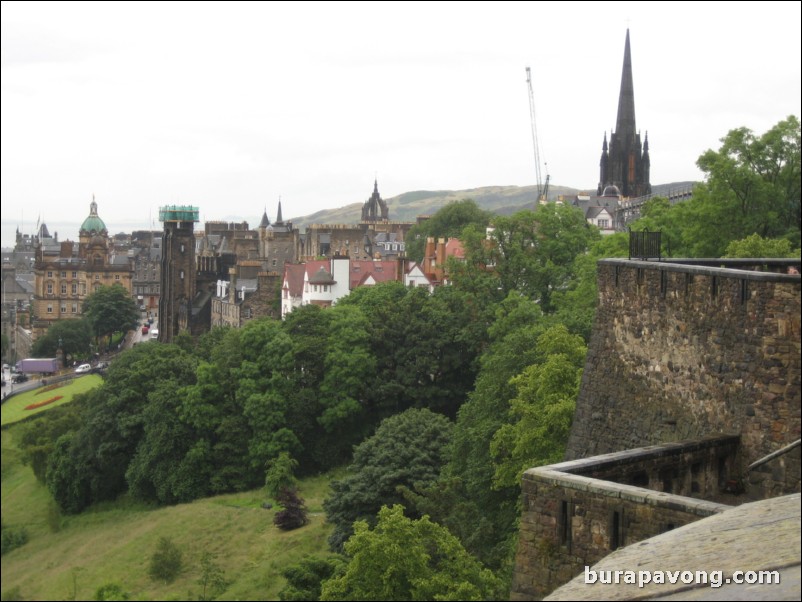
114 542
14 410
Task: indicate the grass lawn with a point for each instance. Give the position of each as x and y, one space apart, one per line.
14 410
113 542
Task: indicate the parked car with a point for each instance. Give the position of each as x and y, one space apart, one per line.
145 328
19 377
83 369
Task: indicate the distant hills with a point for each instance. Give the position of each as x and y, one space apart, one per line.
501 200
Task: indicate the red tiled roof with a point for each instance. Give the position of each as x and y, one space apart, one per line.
382 271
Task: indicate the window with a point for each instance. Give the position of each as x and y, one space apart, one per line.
83 288
50 274
75 274
116 276
604 223
63 274
564 523
63 289
75 308
74 289
64 309
49 288
50 309
616 530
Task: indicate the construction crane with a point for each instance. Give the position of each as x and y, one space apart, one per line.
542 189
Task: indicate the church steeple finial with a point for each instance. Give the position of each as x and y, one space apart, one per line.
279 219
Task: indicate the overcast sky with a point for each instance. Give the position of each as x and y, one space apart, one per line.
231 106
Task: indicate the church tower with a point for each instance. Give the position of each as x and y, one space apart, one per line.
625 163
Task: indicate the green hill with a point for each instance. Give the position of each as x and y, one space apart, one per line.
113 543
408 206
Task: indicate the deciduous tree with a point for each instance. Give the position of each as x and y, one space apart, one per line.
408 449
110 309
405 559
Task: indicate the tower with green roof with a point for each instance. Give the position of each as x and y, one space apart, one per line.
178 269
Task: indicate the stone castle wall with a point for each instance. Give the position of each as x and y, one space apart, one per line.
573 517
683 351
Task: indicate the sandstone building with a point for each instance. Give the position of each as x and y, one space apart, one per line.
66 272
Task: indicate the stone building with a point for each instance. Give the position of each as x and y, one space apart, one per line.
625 163
248 294
374 237
279 242
66 273
147 255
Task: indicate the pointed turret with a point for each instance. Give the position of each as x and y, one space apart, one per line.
279 219
265 222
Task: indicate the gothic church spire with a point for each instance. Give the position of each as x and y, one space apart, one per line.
625 166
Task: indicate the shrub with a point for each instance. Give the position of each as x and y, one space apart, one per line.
12 538
294 514
111 591
166 562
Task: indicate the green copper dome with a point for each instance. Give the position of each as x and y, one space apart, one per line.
93 223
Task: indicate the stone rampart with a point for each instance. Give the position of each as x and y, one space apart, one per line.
574 516
683 351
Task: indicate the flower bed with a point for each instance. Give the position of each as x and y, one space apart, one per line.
50 387
39 404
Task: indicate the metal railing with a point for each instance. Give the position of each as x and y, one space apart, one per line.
644 245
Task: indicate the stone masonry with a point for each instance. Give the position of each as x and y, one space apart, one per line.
574 514
679 352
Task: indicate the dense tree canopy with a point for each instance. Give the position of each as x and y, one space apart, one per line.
448 222
752 186
757 246
408 449
405 559
543 407
74 337
90 464
532 252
